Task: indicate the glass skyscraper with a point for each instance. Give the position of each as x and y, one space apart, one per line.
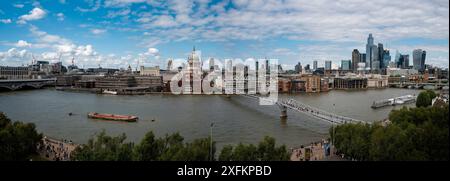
369 53
419 59
327 65
346 65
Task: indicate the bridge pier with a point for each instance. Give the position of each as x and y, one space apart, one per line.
283 111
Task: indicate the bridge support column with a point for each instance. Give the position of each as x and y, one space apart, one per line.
283 112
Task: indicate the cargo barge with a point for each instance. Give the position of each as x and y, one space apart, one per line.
113 117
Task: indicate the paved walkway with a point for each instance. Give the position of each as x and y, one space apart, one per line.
314 152
56 150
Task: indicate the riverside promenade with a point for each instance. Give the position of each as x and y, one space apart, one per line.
315 152
56 150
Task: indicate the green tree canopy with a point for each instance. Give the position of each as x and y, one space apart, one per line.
414 134
265 151
168 148
18 141
425 98
104 148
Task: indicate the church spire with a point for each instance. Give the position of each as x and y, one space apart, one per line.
193 49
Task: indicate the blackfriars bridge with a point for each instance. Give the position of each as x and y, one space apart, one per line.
26 83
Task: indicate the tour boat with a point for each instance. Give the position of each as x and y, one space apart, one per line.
113 117
109 92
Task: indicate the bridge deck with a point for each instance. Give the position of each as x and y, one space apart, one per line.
311 111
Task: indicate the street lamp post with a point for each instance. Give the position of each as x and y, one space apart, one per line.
334 130
211 143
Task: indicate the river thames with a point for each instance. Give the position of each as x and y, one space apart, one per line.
236 119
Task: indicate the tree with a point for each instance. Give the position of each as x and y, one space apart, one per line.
168 148
226 154
414 134
425 98
149 149
172 148
199 150
265 151
104 148
18 141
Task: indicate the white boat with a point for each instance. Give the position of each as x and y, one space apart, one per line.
394 101
109 92
429 87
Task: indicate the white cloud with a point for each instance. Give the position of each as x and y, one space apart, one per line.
18 5
52 56
60 16
22 43
94 6
121 3
335 22
14 57
144 20
164 21
113 14
60 44
153 51
85 51
35 14
98 31
330 20
5 21
283 51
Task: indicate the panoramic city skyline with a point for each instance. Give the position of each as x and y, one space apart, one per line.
118 33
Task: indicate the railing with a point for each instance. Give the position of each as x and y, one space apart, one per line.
309 110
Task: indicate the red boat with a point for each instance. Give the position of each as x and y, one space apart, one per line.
113 117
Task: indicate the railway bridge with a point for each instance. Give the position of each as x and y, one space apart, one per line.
15 84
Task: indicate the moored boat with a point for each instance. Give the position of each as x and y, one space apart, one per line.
113 117
110 92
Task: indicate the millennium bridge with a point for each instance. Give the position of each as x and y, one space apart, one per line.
297 106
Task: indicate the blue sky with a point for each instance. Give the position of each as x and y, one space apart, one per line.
118 33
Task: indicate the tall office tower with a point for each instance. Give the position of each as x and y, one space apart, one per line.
424 54
328 65
406 61
392 64
397 59
257 74
380 55
419 59
369 47
403 61
315 65
298 68
386 58
346 65
307 68
362 58
356 58
374 62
